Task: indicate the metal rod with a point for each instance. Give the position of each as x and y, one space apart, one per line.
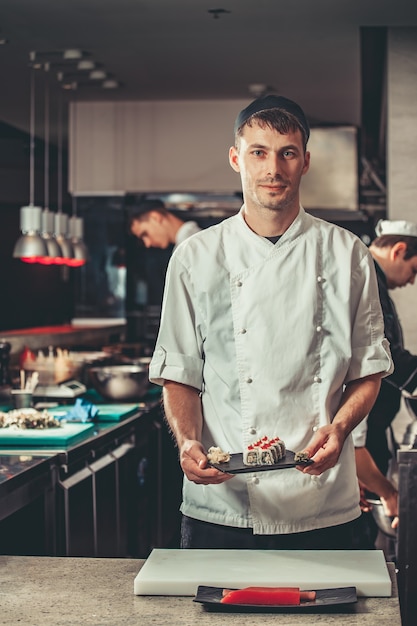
46 148
32 140
60 155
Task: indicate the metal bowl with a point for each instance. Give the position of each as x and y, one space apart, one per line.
122 383
383 521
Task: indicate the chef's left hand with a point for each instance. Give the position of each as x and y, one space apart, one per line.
324 449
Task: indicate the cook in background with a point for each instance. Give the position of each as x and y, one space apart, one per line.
271 326
395 255
159 228
394 251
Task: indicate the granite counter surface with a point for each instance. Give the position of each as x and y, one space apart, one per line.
60 591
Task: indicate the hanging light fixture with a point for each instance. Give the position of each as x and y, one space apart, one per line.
76 228
61 219
30 246
76 224
54 256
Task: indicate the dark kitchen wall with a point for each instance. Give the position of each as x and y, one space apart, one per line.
31 295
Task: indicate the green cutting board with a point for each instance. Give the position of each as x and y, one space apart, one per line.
115 412
106 412
68 434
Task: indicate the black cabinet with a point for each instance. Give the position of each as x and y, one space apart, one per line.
27 505
107 492
116 494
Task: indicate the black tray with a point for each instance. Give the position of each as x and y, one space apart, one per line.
210 597
236 465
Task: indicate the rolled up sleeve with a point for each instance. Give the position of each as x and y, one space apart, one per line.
370 349
178 354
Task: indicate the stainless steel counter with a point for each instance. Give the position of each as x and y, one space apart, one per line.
64 336
52 591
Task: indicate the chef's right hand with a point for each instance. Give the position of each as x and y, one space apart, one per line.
195 465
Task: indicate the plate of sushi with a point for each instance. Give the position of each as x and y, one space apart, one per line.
256 459
273 598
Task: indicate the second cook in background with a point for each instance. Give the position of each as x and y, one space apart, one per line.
159 228
271 326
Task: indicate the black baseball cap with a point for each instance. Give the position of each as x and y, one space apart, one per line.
273 102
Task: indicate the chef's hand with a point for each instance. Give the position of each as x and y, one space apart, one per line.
195 465
390 506
366 506
324 449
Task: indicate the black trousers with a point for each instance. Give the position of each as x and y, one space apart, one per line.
199 535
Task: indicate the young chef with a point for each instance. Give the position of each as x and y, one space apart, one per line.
157 227
271 326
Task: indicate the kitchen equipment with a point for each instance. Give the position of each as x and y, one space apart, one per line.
383 521
54 437
179 572
53 368
67 390
123 383
22 398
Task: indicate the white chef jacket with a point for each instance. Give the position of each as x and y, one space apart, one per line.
270 334
185 231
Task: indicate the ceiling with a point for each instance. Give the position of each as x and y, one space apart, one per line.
308 50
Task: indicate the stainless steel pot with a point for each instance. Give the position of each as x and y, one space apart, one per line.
122 383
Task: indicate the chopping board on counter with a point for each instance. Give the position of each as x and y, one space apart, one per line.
180 572
68 434
106 412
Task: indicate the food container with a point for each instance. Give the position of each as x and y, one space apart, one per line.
121 383
383 521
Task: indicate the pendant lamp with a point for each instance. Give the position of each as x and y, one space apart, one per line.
54 256
76 224
61 219
76 227
30 246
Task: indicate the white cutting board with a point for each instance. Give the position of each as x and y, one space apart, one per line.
180 572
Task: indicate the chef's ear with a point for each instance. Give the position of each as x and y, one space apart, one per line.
234 158
398 250
156 216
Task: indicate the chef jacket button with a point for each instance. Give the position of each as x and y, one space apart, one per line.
320 279
249 379
315 429
239 283
255 480
319 329
252 430
317 379
242 331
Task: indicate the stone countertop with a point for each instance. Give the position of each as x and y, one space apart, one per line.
59 591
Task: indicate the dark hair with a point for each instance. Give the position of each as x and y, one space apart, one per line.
388 241
277 119
141 211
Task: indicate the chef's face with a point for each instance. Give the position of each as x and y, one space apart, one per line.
400 271
151 230
271 166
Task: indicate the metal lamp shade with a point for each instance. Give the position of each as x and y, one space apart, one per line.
30 245
54 256
76 227
61 230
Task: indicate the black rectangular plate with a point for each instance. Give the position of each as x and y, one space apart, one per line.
210 597
236 465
